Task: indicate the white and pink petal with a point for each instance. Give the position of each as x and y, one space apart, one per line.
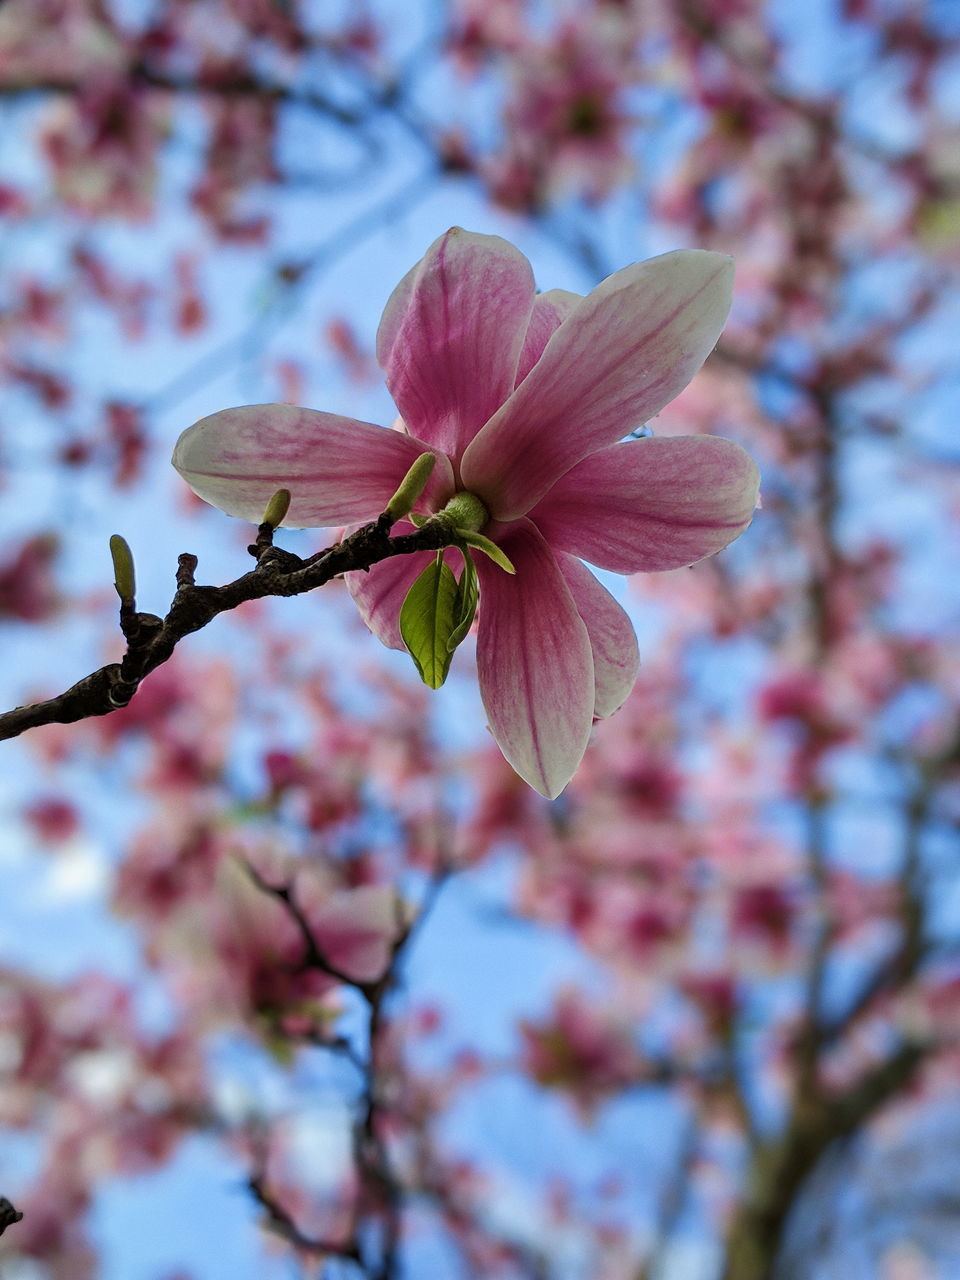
451 336
652 504
534 661
622 354
338 470
616 654
550 309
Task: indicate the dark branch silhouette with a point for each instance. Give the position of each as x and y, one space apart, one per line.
8 1214
151 640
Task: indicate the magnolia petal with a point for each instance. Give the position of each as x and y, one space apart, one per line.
651 504
550 309
356 930
616 654
534 662
451 336
338 470
623 353
380 592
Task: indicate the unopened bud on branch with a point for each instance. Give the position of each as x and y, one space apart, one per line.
124 578
277 508
411 487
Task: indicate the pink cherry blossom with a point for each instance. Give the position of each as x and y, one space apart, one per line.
525 399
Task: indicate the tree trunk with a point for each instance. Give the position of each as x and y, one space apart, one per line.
778 1171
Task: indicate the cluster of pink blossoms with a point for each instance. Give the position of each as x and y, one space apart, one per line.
525 400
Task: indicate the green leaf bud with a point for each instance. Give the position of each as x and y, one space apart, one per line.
277 508
124 577
411 487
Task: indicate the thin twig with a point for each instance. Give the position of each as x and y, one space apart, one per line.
279 1221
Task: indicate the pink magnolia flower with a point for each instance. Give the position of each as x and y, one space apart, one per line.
525 399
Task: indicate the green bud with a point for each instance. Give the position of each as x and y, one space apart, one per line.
411 487
124 578
277 508
466 511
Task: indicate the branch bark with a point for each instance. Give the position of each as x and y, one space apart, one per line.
151 641
782 1166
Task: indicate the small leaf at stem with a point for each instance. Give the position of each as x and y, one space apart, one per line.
499 558
428 617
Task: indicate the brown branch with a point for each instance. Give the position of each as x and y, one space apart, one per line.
915 947
279 1221
313 954
230 83
151 641
382 1192
783 1165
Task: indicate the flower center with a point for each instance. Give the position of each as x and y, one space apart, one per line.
466 511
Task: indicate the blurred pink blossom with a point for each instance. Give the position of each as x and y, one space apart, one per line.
585 1049
28 591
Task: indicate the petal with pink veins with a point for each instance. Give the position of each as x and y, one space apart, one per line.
616 655
550 309
623 353
380 591
451 335
534 661
652 504
338 470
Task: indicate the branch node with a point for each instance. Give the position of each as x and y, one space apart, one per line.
186 568
271 557
119 694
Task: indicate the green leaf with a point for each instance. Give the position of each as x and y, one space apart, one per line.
466 601
428 617
488 548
